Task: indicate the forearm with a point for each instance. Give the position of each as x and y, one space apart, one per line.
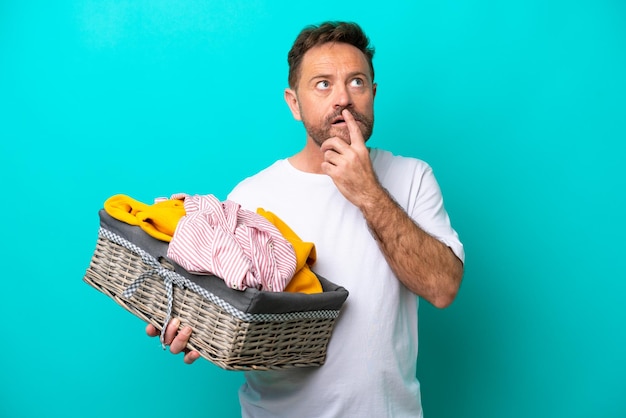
425 265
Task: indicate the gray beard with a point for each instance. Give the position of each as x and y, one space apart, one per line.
319 134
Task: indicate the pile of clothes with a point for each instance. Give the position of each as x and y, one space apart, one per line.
206 236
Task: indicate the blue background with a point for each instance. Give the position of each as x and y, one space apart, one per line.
519 106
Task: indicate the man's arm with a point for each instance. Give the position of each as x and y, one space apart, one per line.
422 263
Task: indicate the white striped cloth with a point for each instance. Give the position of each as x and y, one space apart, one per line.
239 246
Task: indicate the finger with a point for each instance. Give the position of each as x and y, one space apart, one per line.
191 356
180 341
151 330
171 331
353 128
335 144
333 149
334 152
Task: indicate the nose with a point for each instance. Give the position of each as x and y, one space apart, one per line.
342 97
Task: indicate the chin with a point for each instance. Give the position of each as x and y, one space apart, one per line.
341 133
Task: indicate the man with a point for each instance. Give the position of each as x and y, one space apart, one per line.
380 230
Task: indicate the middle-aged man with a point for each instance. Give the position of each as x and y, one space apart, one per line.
380 229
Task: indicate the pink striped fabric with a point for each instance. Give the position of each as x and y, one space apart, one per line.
239 246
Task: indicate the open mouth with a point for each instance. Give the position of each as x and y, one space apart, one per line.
338 121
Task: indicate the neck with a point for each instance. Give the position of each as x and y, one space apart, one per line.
309 159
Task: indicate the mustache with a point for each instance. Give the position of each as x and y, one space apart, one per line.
356 115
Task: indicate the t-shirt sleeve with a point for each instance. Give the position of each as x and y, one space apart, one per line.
429 213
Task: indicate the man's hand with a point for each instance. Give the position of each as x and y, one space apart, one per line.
349 165
177 340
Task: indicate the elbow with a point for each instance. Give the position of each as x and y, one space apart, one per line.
446 293
444 299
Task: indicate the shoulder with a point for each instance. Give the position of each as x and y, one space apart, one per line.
268 172
409 180
257 184
389 165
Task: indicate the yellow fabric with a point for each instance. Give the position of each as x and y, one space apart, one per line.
158 220
304 280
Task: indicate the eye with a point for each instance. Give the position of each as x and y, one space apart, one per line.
357 82
322 85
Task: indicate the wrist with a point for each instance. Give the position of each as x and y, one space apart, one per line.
376 201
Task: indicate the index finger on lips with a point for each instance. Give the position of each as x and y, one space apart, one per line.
353 128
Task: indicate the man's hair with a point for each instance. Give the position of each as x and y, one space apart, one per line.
314 35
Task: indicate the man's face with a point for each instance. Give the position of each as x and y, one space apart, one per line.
333 77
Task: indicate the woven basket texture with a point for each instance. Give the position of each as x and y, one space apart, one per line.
226 341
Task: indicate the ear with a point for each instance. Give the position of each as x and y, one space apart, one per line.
292 101
374 89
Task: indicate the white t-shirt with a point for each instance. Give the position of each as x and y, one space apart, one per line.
371 357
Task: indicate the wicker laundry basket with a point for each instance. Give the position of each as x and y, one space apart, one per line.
236 330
